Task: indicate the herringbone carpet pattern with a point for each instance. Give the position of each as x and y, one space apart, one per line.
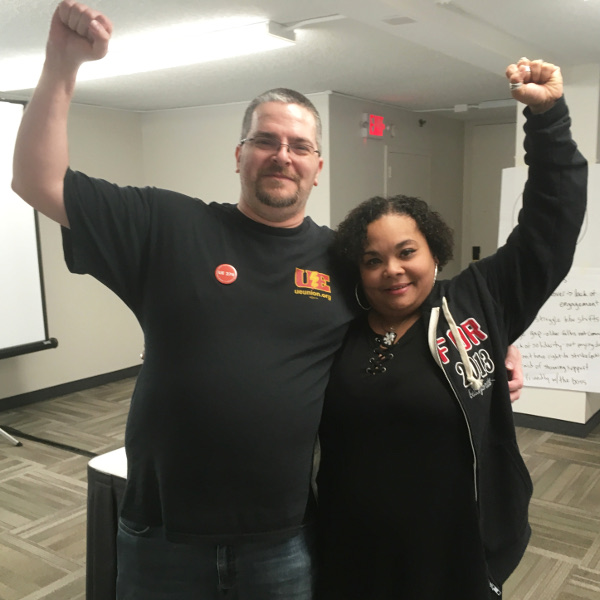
43 493
43 490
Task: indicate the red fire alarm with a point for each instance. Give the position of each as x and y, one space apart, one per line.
373 126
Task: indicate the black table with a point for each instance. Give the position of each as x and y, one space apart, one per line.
106 485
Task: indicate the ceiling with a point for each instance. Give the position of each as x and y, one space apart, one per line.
426 55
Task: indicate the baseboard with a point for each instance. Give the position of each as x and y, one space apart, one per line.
67 388
580 430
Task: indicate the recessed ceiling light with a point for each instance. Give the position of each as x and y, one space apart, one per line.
156 50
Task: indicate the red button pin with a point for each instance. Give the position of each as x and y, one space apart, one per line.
226 274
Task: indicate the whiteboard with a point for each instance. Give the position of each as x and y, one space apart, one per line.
561 349
22 311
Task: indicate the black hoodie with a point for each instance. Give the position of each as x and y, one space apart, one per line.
488 306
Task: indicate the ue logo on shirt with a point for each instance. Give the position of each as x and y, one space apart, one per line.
312 284
312 280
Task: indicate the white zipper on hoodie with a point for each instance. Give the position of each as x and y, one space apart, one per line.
473 381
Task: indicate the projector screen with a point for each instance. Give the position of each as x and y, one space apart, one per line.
23 323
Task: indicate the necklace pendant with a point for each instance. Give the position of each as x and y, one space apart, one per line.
389 338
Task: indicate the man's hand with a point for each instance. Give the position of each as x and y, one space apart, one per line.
514 368
78 34
536 83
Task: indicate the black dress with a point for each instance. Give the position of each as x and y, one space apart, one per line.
398 516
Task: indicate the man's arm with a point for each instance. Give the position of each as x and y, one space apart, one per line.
77 34
514 367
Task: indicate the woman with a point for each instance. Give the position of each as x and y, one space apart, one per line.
423 493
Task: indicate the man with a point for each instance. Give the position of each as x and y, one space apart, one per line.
242 310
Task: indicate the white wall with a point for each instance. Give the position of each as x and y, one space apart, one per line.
192 151
96 333
489 148
357 165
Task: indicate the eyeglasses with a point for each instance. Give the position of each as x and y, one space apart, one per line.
271 144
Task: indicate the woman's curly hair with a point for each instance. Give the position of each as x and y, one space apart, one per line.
351 235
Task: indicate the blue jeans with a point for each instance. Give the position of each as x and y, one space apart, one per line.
152 568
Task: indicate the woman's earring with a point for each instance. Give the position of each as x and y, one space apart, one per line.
358 299
435 273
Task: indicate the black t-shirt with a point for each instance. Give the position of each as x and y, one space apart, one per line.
397 510
226 408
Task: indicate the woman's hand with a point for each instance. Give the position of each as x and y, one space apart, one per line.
536 83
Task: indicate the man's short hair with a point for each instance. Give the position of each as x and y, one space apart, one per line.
286 96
